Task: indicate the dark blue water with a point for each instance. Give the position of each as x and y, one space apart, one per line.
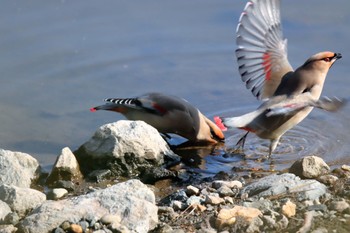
59 58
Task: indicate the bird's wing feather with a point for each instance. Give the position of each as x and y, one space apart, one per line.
262 51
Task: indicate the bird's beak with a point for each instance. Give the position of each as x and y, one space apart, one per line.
337 56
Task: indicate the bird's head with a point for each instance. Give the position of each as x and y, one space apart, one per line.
322 61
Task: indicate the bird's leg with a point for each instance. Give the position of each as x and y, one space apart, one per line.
241 141
273 145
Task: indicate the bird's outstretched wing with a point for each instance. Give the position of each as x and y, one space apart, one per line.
292 105
262 51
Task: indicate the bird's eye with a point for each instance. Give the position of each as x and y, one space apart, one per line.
327 59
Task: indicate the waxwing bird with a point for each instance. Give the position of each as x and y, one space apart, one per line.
168 114
265 69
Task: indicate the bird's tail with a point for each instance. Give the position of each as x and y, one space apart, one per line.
225 123
116 105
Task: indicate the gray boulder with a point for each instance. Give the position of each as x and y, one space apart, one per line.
21 200
17 168
286 183
133 201
66 168
124 147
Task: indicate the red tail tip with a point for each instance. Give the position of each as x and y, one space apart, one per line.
93 110
218 122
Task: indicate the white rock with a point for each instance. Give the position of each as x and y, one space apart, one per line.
8 229
4 210
133 201
57 193
17 168
66 167
130 144
21 200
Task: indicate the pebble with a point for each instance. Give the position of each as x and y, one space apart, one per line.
213 200
65 225
289 209
339 206
328 179
110 219
225 191
57 193
345 167
11 218
230 184
191 190
178 205
75 228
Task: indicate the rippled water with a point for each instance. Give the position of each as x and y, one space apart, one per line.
59 58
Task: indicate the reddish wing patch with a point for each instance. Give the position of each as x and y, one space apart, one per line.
267 65
219 123
248 129
159 108
93 110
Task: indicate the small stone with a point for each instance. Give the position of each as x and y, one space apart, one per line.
8 228
191 190
75 228
57 193
84 225
339 206
100 175
225 191
320 230
328 179
345 167
65 225
214 200
227 217
289 209
230 184
318 207
178 205
194 200
229 200
58 230
201 208
110 219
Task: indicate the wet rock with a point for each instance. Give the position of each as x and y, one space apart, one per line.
310 167
289 209
133 201
124 147
100 175
18 169
57 193
179 195
21 200
65 184
227 217
4 210
339 205
154 174
286 183
66 168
